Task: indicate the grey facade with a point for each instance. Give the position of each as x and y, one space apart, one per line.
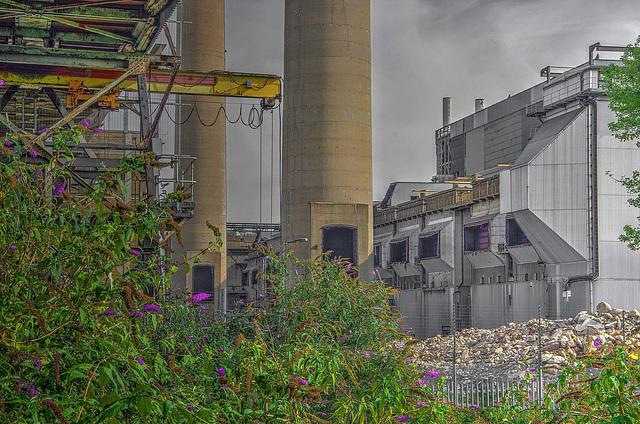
537 225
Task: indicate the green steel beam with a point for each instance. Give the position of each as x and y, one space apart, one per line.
78 58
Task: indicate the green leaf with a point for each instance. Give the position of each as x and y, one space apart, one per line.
144 405
187 268
56 271
109 398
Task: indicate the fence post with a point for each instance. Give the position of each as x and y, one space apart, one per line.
539 355
455 379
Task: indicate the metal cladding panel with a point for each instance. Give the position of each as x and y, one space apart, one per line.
624 294
435 265
457 155
551 248
403 234
480 118
485 259
434 228
505 191
406 270
519 188
544 136
384 273
559 183
616 260
457 128
524 254
474 154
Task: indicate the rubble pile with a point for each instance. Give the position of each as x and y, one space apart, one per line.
508 351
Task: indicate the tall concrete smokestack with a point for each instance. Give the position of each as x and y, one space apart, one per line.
446 111
327 177
203 50
479 105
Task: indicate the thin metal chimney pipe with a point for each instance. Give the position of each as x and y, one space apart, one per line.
479 105
446 111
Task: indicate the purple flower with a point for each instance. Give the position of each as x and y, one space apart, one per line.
402 418
377 309
303 382
37 363
44 130
475 406
221 372
1 82
14 248
135 253
432 374
31 391
530 370
140 361
203 308
421 404
97 130
151 308
197 298
85 123
597 342
137 314
60 188
191 337
109 312
33 154
8 143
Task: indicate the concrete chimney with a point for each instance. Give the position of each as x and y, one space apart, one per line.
203 50
326 163
446 111
479 105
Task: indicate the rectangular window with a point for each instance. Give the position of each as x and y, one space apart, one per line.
428 246
398 251
515 236
476 237
341 241
377 255
203 279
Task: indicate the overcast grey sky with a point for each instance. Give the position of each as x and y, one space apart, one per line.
422 50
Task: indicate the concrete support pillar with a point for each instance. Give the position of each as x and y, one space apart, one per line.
327 177
203 50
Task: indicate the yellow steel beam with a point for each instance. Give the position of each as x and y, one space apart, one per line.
215 83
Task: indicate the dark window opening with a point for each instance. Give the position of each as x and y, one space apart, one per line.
428 246
377 255
476 237
203 279
245 278
398 251
515 236
341 241
254 277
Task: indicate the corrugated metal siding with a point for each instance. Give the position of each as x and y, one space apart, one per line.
616 260
558 185
502 140
474 155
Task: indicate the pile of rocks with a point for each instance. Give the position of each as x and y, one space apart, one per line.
508 351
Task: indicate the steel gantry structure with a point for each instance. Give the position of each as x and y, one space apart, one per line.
73 58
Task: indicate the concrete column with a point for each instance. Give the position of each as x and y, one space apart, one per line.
326 166
203 50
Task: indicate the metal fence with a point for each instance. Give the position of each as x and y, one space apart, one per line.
490 392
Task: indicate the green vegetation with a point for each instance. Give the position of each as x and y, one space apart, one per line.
83 343
622 85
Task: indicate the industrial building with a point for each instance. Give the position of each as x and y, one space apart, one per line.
532 221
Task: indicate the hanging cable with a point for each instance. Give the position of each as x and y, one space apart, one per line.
272 149
260 170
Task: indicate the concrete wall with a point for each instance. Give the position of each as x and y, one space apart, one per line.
327 116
